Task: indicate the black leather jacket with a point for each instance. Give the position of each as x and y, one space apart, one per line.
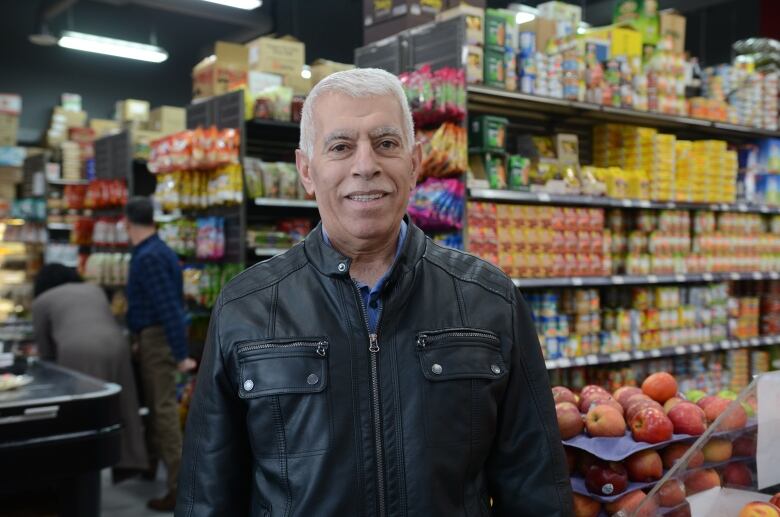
298 411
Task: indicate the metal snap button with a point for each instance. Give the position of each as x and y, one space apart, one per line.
495 369
342 267
312 379
248 385
436 368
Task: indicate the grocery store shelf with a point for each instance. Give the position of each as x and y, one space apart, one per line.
543 198
273 123
638 355
270 252
291 203
494 100
167 218
59 226
67 182
600 281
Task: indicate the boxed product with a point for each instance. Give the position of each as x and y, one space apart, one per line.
475 58
132 110
214 74
168 119
488 132
385 18
544 29
474 17
103 127
9 127
494 68
500 29
561 11
672 28
623 41
322 68
71 101
10 103
282 56
769 155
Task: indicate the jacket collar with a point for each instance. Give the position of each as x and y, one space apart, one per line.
331 262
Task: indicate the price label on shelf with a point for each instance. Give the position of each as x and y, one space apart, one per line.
639 354
618 280
579 361
644 203
550 364
627 203
742 207
735 276
764 209
708 277
655 353
695 349
592 359
714 206
680 278
679 350
755 341
576 281
774 275
757 276
725 345
564 362
652 279
544 197
708 347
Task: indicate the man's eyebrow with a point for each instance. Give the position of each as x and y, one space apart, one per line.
385 131
339 134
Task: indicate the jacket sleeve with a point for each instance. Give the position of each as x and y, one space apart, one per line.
215 475
47 349
526 470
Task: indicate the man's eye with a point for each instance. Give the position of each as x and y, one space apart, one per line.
388 144
339 148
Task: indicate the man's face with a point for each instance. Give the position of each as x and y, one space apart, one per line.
360 170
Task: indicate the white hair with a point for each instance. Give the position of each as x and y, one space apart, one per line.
357 83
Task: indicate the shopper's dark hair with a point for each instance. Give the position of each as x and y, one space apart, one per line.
54 275
140 211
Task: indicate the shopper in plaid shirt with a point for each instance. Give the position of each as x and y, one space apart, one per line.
155 313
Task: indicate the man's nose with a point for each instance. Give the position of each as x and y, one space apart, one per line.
365 163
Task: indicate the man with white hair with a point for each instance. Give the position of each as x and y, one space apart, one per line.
369 371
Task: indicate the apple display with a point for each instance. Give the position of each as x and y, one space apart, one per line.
759 509
605 420
636 406
737 475
674 451
606 478
651 425
623 393
671 493
585 506
688 418
745 445
569 420
644 466
629 504
669 404
660 386
563 394
717 450
701 480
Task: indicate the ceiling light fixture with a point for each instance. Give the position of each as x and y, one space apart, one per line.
238 4
112 47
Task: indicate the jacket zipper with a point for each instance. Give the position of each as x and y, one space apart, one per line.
320 346
423 339
373 347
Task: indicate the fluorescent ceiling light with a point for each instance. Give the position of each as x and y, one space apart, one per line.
238 4
112 47
523 17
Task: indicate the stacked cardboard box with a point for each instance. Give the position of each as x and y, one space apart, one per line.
281 56
215 74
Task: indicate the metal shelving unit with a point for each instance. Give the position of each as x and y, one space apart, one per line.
617 280
288 203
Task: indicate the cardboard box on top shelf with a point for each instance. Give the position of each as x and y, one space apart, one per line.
385 18
544 29
213 75
103 127
132 110
672 27
71 101
68 118
282 56
9 128
141 142
11 104
474 17
623 41
168 119
322 68
561 11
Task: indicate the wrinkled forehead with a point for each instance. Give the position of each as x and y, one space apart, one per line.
369 114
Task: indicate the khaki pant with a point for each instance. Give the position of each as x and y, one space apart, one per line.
158 375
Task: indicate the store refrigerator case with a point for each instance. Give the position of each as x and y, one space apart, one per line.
741 462
57 431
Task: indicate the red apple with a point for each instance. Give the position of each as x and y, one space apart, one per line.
651 425
775 500
606 478
591 398
717 450
571 459
684 510
609 402
623 393
569 420
591 388
636 406
634 397
735 418
629 504
705 401
688 418
700 480
669 404
745 445
737 474
660 387
759 509
674 451
605 420
563 394
644 466
584 461
671 493
584 506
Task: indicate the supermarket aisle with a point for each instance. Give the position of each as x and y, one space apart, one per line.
128 499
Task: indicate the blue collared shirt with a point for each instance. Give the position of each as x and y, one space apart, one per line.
371 296
155 293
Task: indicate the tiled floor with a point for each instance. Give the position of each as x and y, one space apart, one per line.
128 499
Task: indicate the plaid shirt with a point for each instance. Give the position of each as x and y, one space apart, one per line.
154 293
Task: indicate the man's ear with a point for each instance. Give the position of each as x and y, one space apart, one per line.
416 162
304 171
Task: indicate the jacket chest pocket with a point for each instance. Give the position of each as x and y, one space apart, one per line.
284 385
462 370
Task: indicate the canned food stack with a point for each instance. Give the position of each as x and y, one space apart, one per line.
527 69
771 89
71 160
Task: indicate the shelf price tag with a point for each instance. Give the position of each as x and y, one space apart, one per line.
576 281
774 275
655 353
579 361
764 209
695 349
735 276
652 279
755 341
618 280
592 359
742 207
680 278
708 347
639 354
544 197
627 203
679 350
708 277
644 203
757 276
564 362
550 365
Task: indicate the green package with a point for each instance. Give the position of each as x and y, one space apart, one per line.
518 167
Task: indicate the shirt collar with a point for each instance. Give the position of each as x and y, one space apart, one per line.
145 243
